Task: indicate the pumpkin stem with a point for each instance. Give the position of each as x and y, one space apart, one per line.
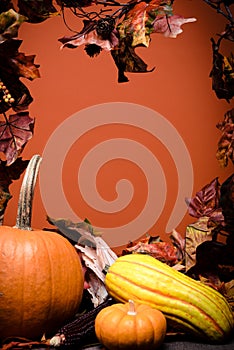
132 310
24 213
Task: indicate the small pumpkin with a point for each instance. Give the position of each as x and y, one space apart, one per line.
41 278
130 326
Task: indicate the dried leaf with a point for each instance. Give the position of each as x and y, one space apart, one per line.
26 67
10 21
196 233
163 251
229 293
37 11
15 132
225 150
210 259
222 74
95 260
133 25
12 172
14 65
81 232
170 26
139 20
88 36
206 201
179 242
127 60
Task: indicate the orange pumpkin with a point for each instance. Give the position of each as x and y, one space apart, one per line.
130 326
41 278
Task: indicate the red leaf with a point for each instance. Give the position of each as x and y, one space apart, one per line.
205 201
14 135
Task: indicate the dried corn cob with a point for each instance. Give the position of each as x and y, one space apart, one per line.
81 330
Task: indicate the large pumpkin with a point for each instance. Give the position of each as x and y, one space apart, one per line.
130 326
41 279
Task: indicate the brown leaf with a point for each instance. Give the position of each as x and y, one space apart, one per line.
37 11
205 201
222 78
12 68
225 150
127 60
163 251
195 234
25 66
10 22
15 132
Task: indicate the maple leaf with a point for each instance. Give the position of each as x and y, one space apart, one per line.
226 143
25 66
37 11
170 26
10 22
127 60
14 65
138 21
15 132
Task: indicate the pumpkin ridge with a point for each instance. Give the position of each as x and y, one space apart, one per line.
51 274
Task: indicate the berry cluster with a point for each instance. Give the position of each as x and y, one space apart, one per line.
5 95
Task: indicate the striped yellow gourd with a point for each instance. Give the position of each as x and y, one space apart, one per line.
190 305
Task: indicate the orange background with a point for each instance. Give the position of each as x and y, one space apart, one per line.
179 89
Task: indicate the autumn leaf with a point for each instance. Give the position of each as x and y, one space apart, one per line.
127 60
225 150
37 11
75 231
25 66
89 36
15 132
14 65
222 74
10 22
134 25
137 23
206 201
170 26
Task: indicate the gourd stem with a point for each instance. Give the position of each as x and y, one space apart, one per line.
24 213
132 310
